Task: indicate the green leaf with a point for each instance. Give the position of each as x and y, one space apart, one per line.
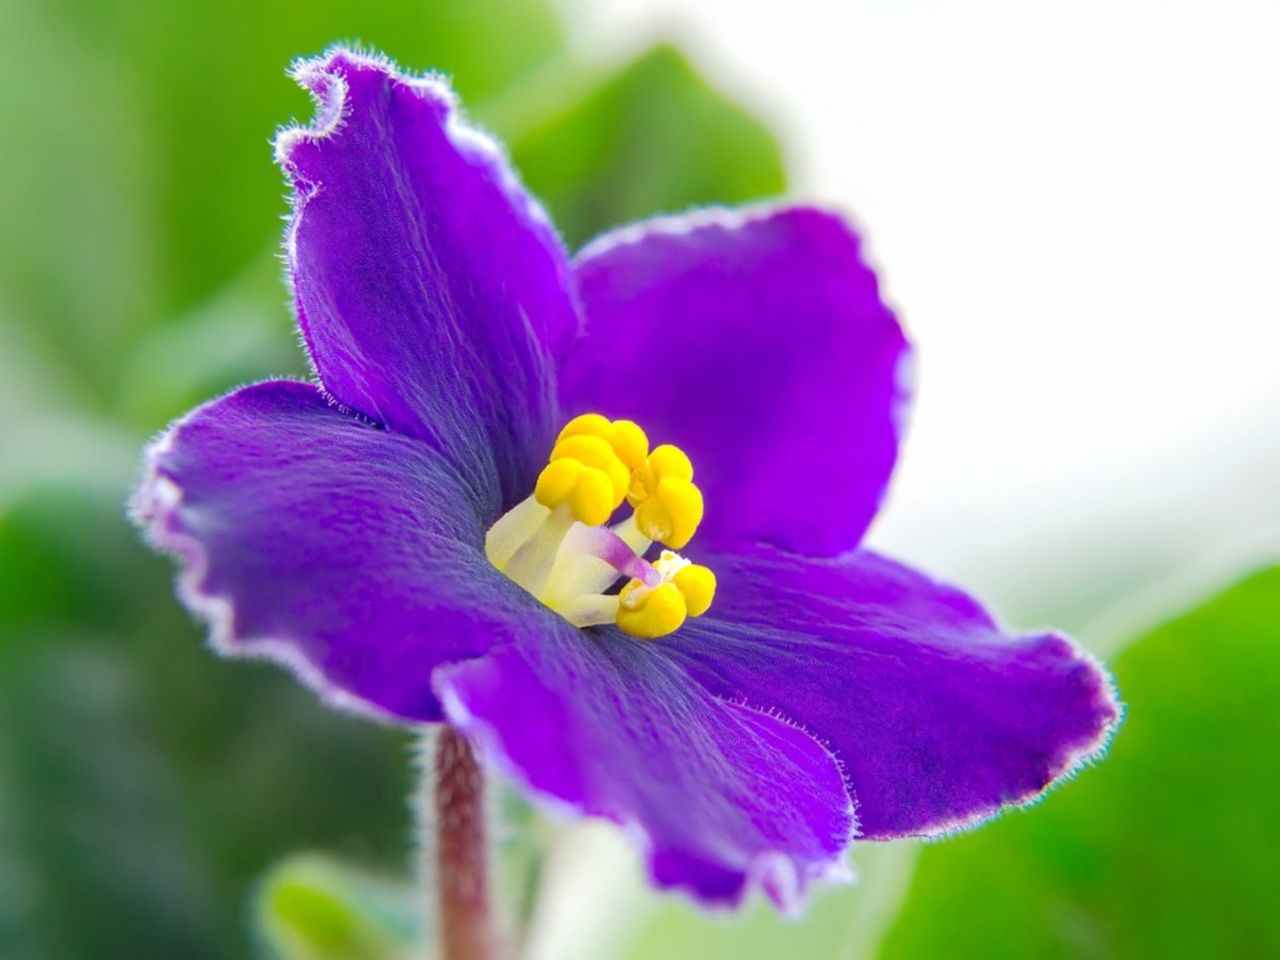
652 138
135 166
95 858
312 908
210 81
77 254
241 334
144 782
1164 850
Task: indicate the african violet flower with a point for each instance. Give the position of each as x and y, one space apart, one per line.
418 539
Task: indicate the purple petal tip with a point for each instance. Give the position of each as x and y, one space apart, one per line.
1109 712
329 77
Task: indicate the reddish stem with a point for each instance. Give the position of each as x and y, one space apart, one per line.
462 874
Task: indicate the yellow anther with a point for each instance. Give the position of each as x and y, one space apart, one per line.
671 513
650 613
628 441
684 590
697 584
588 424
594 452
668 460
589 492
665 461
594 499
557 481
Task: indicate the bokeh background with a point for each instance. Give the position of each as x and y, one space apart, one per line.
1075 207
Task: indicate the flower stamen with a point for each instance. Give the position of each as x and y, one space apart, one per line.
668 505
554 543
684 590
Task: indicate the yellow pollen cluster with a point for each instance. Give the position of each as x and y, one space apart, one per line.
627 440
686 590
668 504
594 455
550 545
585 475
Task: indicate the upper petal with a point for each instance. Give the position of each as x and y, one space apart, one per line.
430 288
350 554
759 342
938 716
718 795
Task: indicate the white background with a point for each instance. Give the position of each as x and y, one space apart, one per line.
1076 208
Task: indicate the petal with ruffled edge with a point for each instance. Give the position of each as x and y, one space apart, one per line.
431 290
718 795
350 554
758 342
939 717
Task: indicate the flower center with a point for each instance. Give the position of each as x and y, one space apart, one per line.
556 545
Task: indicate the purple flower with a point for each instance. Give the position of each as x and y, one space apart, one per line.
415 539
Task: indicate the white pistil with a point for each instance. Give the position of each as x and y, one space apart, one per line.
533 560
589 609
513 530
567 565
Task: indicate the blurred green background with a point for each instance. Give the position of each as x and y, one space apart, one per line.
158 802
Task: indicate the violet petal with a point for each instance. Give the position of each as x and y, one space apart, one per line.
350 554
758 341
938 716
431 290
719 796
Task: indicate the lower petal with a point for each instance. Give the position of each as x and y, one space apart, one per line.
719 795
939 717
351 555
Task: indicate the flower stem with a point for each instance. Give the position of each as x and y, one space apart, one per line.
462 866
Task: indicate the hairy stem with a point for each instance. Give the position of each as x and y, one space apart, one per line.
461 855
